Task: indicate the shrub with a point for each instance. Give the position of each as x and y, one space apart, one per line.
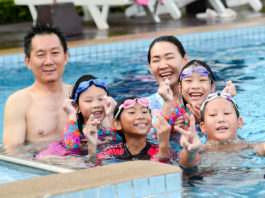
10 13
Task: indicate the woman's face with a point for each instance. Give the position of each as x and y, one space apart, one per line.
91 102
196 88
166 62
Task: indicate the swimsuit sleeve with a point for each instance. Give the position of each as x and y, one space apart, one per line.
71 135
153 152
109 132
176 111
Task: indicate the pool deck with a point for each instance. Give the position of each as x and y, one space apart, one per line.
124 29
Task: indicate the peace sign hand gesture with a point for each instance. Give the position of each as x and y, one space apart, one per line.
189 140
91 133
191 144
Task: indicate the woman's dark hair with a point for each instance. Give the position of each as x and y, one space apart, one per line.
170 39
80 118
196 63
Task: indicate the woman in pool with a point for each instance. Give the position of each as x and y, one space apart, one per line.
132 119
220 121
87 108
196 81
166 58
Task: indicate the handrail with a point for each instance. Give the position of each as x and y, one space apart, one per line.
33 164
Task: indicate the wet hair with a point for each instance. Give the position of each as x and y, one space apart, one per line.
170 39
80 118
43 29
195 63
234 106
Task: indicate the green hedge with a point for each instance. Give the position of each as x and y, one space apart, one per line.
10 13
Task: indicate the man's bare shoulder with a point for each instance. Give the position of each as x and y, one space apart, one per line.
20 95
68 90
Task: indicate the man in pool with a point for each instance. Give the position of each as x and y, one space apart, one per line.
35 113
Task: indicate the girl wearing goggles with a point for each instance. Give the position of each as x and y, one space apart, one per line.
133 121
90 111
196 81
221 121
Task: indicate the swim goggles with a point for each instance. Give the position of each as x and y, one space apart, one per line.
202 71
216 95
128 103
86 84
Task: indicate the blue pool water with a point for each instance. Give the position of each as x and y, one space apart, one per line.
237 55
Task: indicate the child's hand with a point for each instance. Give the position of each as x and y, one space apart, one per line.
230 88
109 105
189 140
163 132
69 109
91 133
105 141
260 148
165 92
195 110
179 121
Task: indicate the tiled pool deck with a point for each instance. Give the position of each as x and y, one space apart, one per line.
135 179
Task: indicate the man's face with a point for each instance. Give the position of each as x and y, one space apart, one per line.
47 58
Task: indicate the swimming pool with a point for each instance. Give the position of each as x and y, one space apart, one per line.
233 54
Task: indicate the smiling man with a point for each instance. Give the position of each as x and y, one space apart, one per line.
35 113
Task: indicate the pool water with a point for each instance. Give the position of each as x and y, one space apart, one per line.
237 55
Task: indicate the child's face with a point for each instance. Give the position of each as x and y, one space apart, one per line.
196 88
135 121
91 102
166 62
220 120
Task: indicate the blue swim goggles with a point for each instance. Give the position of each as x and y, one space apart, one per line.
86 84
202 71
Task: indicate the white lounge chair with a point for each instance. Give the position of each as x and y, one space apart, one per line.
98 9
255 4
171 7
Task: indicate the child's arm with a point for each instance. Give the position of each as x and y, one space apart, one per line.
69 109
91 133
70 139
191 144
166 93
163 133
260 148
109 105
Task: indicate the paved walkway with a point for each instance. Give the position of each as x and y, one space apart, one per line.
11 35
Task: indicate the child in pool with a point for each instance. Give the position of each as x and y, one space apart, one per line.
196 81
87 108
220 121
89 105
133 121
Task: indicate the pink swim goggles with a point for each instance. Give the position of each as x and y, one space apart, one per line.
128 103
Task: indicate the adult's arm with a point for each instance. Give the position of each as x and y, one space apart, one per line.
14 132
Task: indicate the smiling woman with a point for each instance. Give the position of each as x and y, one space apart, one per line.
166 57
